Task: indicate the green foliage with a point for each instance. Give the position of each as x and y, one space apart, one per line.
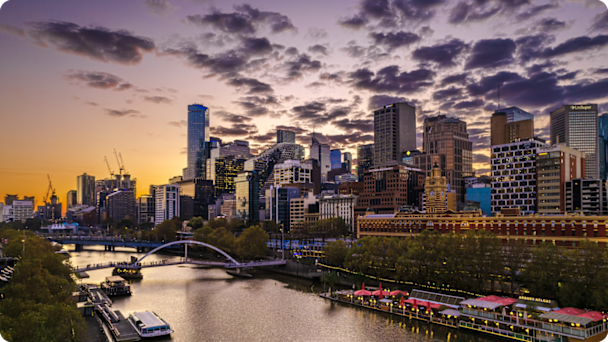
252 243
38 304
168 228
331 227
330 278
196 222
270 226
335 252
146 226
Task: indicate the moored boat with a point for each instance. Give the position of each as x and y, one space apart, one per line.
149 324
116 286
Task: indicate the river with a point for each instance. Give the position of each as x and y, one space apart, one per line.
209 305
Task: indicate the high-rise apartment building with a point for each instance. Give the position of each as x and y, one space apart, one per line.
286 136
342 206
556 165
291 172
335 159
577 127
603 146
589 196
299 207
264 162
22 210
505 131
365 159
514 175
167 202
224 163
278 204
120 205
198 139
195 195
85 190
388 188
515 114
445 143
347 162
321 152
71 198
394 132
146 208
248 196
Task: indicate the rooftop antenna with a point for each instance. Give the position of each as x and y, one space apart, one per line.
498 97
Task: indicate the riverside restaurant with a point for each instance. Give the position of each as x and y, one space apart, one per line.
523 319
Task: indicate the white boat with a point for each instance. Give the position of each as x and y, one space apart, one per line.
149 324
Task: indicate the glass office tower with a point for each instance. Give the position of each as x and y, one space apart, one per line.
198 137
365 159
335 157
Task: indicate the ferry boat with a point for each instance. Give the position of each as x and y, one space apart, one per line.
116 286
149 324
524 319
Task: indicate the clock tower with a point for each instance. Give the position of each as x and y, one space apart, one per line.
435 189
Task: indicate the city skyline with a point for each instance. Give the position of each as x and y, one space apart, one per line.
123 77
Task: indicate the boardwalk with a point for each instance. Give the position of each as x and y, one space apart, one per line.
128 265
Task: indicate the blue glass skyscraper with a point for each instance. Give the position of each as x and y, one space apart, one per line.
335 157
198 139
603 137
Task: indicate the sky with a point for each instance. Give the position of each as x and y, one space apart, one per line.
79 79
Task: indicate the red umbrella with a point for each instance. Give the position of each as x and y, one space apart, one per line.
402 302
363 286
398 293
380 288
363 293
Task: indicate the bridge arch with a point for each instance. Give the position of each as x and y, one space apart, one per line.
194 242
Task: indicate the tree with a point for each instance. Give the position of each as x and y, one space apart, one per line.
126 223
330 278
270 226
516 255
335 252
38 304
252 243
196 222
216 223
167 228
543 272
146 226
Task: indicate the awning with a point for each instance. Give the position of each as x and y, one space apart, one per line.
499 300
481 303
539 308
594 315
450 312
385 300
571 311
363 293
566 318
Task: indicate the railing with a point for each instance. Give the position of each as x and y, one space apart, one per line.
530 322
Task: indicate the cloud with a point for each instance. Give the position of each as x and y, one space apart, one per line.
464 12
299 64
353 50
377 101
491 53
356 22
233 118
252 85
575 45
458 79
181 123
315 33
393 40
99 80
124 113
237 129
244 20
534 11
600 22
257 105
469 104
489 83
158 99
442 54
160 7
12 30
548 25
444 94
390 79
351 125
317 48
97 43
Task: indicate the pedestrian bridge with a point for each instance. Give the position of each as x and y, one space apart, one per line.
139 264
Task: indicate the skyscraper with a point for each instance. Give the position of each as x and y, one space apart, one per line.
248 196
446 141
335 157
365 159
85 190
167 203
224 163
264 162
515 114
511 125
577 126
286 136
603 145
198 137
348 162
321 152
394 132
71 198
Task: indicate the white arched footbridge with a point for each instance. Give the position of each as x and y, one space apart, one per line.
139 264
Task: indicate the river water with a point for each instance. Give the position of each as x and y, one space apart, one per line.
209 305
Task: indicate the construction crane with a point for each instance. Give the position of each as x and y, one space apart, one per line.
49 191
122 164
108 165
118 161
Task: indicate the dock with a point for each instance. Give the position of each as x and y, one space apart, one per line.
121 330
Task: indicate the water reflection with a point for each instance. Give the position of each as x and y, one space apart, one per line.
203 304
